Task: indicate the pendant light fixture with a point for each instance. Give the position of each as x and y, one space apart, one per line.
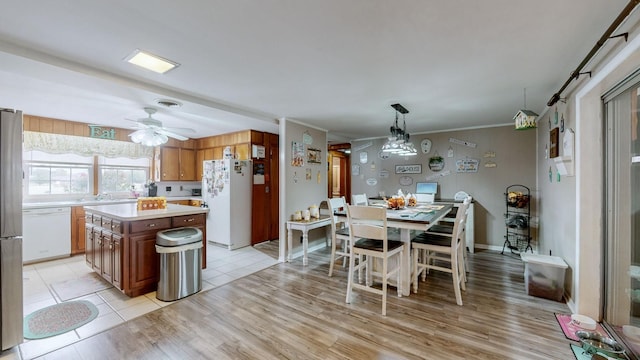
398 140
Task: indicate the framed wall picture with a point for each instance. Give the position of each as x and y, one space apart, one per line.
313 156
553 143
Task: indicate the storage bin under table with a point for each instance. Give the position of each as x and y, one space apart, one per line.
544 275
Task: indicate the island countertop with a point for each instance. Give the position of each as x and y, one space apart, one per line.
130 212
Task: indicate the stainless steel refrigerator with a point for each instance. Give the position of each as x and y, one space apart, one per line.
226 189
11 228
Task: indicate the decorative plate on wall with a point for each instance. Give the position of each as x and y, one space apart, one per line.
405 180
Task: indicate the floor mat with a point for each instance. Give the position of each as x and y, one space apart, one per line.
569 329
84 285
58 319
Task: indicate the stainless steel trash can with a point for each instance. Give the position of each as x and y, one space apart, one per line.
180 263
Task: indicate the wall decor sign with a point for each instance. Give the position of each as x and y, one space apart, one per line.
435 176
307 174
372 181
462 142
313 156
98 132
383 174
363 157
355 170
490 164
409 169
297 154
405 180
553 142
450 152
467 165
361 146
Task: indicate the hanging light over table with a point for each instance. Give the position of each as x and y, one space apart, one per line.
398 140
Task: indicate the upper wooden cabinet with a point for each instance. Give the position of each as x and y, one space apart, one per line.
177 164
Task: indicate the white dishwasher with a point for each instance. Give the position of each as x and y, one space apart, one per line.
46 233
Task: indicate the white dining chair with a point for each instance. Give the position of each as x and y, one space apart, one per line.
368 231
359 199
446 228
340 236
442 252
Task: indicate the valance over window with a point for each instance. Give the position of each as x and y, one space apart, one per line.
60 144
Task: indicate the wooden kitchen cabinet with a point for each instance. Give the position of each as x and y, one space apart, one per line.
177 164
179 202
77 230
195 203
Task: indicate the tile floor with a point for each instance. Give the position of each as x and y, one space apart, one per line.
115 308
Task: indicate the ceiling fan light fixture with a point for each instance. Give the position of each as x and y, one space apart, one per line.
148 137
151 62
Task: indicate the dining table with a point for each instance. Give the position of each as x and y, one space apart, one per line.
417 218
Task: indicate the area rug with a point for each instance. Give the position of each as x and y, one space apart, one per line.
84 285
569 329
58 319
580 354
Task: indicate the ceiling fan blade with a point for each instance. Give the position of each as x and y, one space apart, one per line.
181 129
171 134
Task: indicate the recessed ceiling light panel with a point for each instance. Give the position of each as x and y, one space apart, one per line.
151 62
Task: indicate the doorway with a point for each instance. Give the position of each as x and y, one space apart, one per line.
339 176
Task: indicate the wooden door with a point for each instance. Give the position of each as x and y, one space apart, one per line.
339 173
88 237
274 187
96 235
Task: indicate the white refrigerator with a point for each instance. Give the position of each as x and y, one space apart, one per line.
226 190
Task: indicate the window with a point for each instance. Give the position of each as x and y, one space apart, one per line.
57 175
118 175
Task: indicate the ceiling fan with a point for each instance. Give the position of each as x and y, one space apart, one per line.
151 132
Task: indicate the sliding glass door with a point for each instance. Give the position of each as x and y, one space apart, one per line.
622 213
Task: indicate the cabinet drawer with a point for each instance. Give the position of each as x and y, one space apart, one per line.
188 220
97 220
116 226
106 223
88 218
151 224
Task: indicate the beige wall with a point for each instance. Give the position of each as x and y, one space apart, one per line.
296 191
514 157
571 212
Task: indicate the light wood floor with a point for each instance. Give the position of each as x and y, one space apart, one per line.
293 312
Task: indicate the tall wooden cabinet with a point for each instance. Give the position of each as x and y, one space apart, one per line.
177 164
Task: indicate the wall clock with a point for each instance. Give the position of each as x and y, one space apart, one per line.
425 145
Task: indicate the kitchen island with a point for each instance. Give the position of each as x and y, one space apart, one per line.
120 242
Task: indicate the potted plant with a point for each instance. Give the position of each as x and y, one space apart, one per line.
436 162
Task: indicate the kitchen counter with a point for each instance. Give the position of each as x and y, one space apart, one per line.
93 202
130 212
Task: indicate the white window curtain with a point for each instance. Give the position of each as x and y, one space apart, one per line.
67 144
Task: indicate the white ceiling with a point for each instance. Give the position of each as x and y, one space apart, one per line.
333 64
